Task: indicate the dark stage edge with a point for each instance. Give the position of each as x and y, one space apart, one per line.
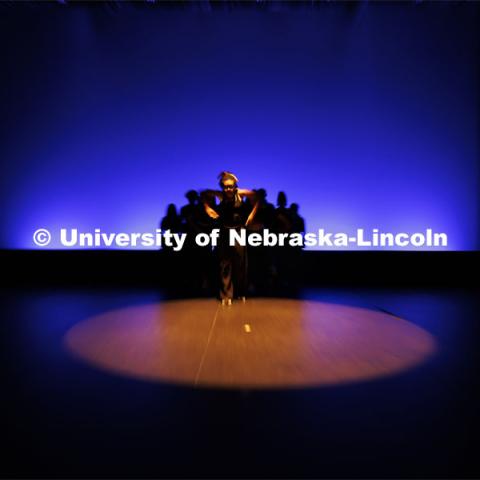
338 268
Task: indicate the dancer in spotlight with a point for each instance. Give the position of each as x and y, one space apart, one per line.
231 213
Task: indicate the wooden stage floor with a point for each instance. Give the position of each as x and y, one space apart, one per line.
262 343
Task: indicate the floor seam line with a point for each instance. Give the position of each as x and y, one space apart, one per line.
204 355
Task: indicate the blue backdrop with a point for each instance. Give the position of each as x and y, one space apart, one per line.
366 115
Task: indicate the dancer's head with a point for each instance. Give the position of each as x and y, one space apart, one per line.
192 196
261 194
228 183
282 199
171 210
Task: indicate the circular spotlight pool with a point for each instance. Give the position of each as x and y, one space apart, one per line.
263 343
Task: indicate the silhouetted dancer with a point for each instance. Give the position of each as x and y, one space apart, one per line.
298 223
282 224
231 213
262 270
189 212
295 260
172 222
206 259
192 256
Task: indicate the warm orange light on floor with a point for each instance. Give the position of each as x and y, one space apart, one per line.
290 343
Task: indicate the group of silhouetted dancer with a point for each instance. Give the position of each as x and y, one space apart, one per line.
234 271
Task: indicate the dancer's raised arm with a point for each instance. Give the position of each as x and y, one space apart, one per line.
246 193
206 196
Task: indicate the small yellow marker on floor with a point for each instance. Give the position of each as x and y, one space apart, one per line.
247 328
